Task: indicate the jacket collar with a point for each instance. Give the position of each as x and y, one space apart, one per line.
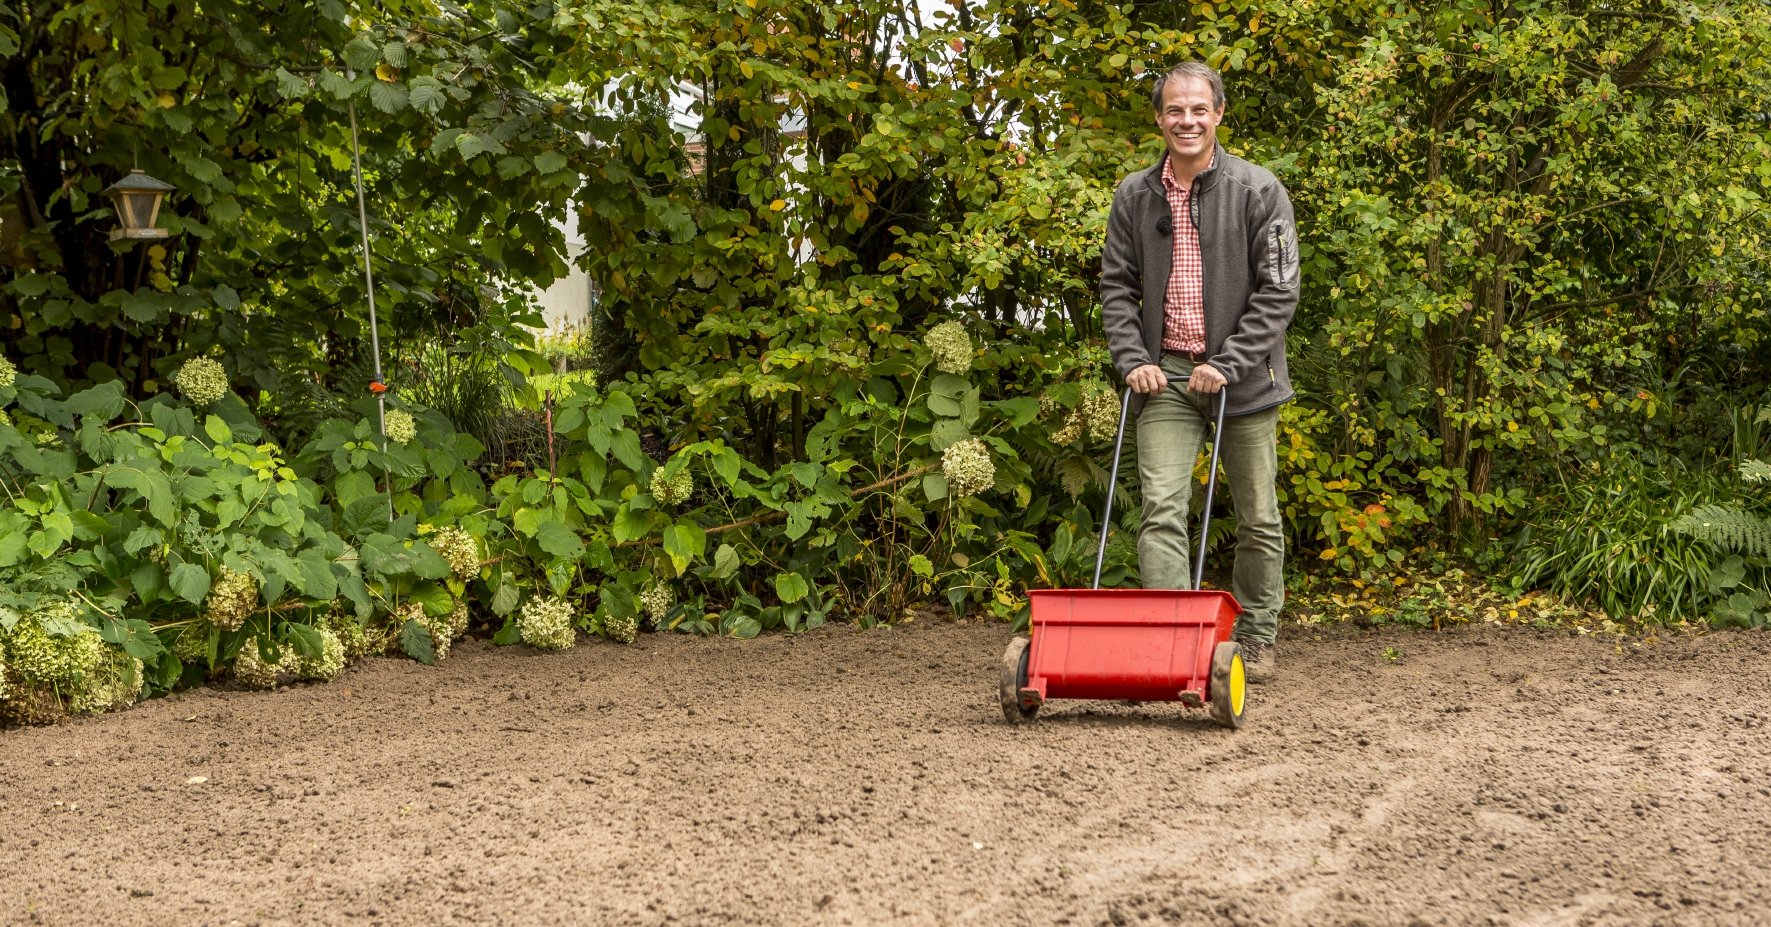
1203 181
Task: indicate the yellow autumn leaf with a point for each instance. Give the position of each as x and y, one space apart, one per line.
1329 554
778 205
387 72
166 99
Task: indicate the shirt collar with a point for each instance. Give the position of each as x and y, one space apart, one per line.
1168 169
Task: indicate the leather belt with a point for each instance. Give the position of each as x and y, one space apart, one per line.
1197 357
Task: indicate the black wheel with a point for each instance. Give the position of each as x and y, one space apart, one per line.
1229 685
1014 676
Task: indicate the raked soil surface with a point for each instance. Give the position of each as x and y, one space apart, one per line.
1488 776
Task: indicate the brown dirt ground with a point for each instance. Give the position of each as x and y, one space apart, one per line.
1490 776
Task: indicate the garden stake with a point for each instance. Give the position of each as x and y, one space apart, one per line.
552 469
376 386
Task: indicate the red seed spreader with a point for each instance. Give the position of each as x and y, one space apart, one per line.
1149 645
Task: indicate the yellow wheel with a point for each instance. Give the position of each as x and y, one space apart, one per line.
1014 676
1229 685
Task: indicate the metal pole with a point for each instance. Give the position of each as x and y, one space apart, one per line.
377 386
1112 482
1211 484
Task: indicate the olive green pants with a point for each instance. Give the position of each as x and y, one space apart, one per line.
1171 431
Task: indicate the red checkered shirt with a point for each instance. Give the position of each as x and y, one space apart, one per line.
1184 309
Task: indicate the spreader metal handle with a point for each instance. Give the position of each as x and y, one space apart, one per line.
1211 485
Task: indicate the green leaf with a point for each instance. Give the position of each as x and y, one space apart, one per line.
389 98
416 641
684 541
436 600
629 525
934 485
549 161
317 579
189 582
336 84
135 636
743 628
725 562
921 566
559 540
626 448
946 433
1727 574
791 587
508 634
426 95
105 401
306 638
504 601
944 405
290 86
470 145
949 386
217 430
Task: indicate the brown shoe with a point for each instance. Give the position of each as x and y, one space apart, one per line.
1259 660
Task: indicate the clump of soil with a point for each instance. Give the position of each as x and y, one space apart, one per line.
1478 776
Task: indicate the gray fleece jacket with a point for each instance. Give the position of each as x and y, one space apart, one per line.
1248 242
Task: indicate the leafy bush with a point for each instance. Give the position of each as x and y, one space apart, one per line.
1742 530
1617 537
186 546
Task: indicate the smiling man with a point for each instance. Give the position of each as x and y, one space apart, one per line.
1199 280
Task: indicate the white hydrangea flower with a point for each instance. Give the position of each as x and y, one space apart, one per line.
328 664
459 548
672 490
114 683
8 373
202 380
1071 430
192 643
60 662
400 426
252 670
968 468
656 599
455 623
546 623
951 346
1100 408
622 628
231 600
357 643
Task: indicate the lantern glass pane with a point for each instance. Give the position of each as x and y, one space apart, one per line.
139 209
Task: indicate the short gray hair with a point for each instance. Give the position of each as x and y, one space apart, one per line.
1189 69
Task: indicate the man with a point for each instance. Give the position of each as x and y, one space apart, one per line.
1199 279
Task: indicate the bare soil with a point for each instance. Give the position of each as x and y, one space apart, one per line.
1488 776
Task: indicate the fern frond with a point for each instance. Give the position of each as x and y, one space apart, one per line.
1755 471
1078 475
1728 527
1764 415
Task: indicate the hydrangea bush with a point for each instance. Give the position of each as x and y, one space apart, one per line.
228 548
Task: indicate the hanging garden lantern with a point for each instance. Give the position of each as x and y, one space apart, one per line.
136 199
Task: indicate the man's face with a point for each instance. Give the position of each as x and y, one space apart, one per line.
1187 120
